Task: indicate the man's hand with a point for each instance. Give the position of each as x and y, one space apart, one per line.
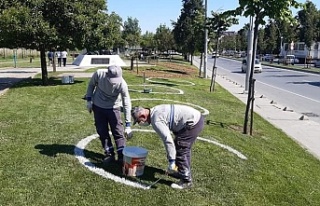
128 133
89 106
172 168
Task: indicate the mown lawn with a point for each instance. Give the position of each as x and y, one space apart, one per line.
40 126
25 62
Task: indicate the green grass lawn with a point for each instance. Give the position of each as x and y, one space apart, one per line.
24 62
40 126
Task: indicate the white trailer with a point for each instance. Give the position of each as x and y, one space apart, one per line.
300 50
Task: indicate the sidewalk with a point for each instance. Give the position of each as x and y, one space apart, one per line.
10 76
305 132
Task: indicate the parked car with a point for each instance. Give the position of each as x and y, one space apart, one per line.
257 66
268 58
215 55
317 63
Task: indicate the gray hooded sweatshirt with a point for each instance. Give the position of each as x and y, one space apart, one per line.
108 96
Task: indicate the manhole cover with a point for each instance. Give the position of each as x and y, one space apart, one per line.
310 114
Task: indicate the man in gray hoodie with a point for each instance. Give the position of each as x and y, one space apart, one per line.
106 93
185 123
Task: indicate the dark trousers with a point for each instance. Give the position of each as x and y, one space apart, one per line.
64 60
49 61
59 62
183 141
103 119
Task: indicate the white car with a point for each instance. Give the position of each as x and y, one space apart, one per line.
257 66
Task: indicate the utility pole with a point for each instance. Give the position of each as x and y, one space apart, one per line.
249 54
205 40
281 39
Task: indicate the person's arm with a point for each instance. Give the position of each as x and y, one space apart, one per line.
164 132
126 103
91 86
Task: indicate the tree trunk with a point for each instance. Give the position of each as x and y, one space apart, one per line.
214 68
137 65
250 95
44 71
201 58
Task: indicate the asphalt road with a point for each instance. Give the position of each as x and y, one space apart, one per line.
298 91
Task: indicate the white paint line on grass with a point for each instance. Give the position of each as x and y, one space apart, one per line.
230 149
81 145
179 91
204 113
78 151
178 82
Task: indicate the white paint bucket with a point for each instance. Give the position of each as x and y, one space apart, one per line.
67 79
134 161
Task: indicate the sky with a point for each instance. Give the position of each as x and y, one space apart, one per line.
152 13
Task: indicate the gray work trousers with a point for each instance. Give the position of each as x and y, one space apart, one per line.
103 119
183 141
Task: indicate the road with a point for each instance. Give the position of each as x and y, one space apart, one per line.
298 91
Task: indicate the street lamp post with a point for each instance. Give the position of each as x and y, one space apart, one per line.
205 41
250 36
281 44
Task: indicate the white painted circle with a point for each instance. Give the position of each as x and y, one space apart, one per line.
177 91
204 113
81 145
169 83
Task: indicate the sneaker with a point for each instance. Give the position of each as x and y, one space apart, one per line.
182 184
108 159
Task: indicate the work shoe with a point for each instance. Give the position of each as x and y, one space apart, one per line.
108 159
120 161
174 174
182 184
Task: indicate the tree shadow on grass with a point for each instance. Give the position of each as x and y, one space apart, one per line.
52 81
96 160
226 125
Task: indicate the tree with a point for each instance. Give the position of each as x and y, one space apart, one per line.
112 34
289 30
271 37
308 21
46 25
218 23
186 31
148 41
259 9
131 32
243 40
228 42
164 38
261 41
318 27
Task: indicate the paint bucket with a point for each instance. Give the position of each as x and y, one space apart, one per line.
67 79
134 161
